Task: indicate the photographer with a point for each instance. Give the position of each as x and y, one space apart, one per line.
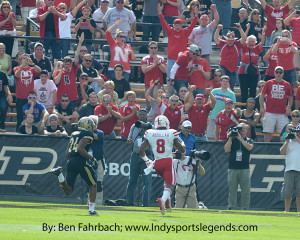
291 148
137 164
185 178
239 147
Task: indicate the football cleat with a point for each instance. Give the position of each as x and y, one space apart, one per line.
56 171
94 213
161 206
168 205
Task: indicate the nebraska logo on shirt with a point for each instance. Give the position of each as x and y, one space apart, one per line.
277 14
278 91
26 77
284 50
120 54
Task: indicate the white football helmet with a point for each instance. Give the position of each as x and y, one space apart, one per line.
161 121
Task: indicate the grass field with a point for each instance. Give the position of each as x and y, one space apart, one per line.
23 220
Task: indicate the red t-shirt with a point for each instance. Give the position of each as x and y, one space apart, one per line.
273 63
25 83
298 94
174 116
177 41
272 14
286 56
213 84
198 118
229 55
108 125
295 24
8 25
246 58
185 63
125 111
28 3
57 2
118 55
155 73
170 10
197 77
277 94
67 83
225 122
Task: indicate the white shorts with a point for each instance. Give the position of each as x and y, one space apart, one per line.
25 13
272 120
210 132
297 60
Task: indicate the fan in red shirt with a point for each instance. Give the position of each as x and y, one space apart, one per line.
273 61
199 73
250 54
230 50
65 78
225 119
120 52
277 92
285 50
107 114
129 114
198 112
216 81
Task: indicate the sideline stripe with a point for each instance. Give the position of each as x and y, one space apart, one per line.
90 175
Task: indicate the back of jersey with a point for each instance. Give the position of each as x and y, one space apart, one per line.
161 142
75 138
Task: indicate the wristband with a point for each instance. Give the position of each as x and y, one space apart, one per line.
145 158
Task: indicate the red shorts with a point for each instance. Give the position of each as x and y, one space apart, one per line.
164 167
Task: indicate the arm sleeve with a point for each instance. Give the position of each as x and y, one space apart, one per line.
174 70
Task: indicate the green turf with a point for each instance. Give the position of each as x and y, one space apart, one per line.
20 220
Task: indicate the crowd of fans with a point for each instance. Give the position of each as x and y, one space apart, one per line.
52 91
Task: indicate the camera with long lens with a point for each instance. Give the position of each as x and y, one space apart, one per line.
291 134
234 130
202 154
140 124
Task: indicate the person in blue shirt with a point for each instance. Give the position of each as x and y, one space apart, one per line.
188 138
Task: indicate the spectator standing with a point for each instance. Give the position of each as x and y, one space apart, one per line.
48 16
28 127
170 11
108 88
125 18
53 129
182 93
274 12
24 74
120 52
84 90
99 14
286 50
39 58
204 6
188 15
46 91
8 24
5 61
86 25
294 21
198 112
291 148
255 24
188 138
225 12
280 26
236 6
108 114
26 7
230 50
225 119
243 21
202 35
239 149
249 71
95 63
216 81
221 95
89 108
278 93
5 98
260 86
33 12
177 42
272 59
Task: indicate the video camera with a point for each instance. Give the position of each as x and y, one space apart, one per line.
140 124
234 130
291 134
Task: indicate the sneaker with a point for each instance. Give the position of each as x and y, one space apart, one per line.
56 171
94 213
161 206
168 205
201 205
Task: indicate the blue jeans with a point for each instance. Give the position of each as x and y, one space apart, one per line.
225 11
198 90
55 47
170 64
137 166
290 76
110 136
180 83
3 111
65 47
111 75
147 28
19 107
233 77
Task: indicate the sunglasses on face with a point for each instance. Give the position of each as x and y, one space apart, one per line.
295 116
122 36
153 47
189 128
256 13
261 86
64 100
88 60
165 97
173 100
120 2
6 7
182 91
279 72
194 4
62 8
196 54
84 78
106 100
216 75
31 97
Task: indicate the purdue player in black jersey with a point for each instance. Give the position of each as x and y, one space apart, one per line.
80 162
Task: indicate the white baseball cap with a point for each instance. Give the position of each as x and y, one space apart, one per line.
187 123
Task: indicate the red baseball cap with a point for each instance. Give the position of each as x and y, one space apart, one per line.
178 21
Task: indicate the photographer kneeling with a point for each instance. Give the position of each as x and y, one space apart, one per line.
186 168
239 147
291 148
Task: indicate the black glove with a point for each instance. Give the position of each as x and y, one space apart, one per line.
93 163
